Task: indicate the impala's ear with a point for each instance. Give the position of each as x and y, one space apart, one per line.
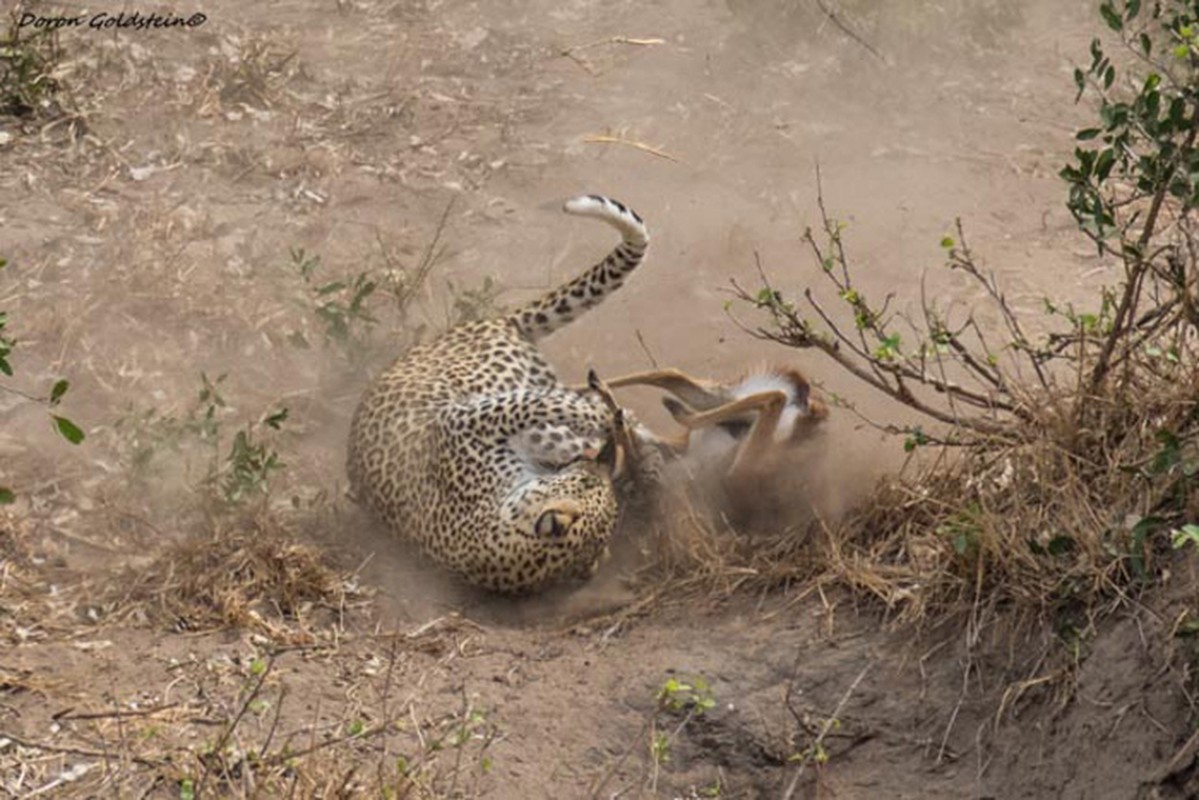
681 413
803 396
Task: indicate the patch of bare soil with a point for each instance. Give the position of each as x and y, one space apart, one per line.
191 228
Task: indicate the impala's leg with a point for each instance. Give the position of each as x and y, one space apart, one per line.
697 393
769 409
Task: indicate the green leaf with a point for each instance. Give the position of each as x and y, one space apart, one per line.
1187 534
7 497
947 242
1060 545
1113 20
276 420
60 388
767 297
888 349
5 367
1182 51
68 430
1087 134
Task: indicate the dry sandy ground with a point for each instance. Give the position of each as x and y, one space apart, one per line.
154 245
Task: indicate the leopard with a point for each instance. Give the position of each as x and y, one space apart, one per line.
471 446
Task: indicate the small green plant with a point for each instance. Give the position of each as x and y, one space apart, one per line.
340 305
241 472
251 461
694 695
964 531
473 304
815 753
689 697
464 739
816 729
66 428
144 435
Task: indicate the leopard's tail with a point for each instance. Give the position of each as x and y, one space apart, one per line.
553 310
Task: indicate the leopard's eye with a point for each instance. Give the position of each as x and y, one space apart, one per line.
554 524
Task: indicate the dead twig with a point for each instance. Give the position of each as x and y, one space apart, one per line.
642 146
69 714
573 52
844 28
76 751
645 349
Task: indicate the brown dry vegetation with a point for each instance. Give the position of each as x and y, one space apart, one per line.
205 226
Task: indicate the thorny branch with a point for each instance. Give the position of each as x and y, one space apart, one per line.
940 363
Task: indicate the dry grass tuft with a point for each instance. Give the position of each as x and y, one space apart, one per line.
1064 512
695 549
1067 511
249 74
248 572
30 607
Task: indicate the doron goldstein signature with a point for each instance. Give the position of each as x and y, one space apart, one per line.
122 20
